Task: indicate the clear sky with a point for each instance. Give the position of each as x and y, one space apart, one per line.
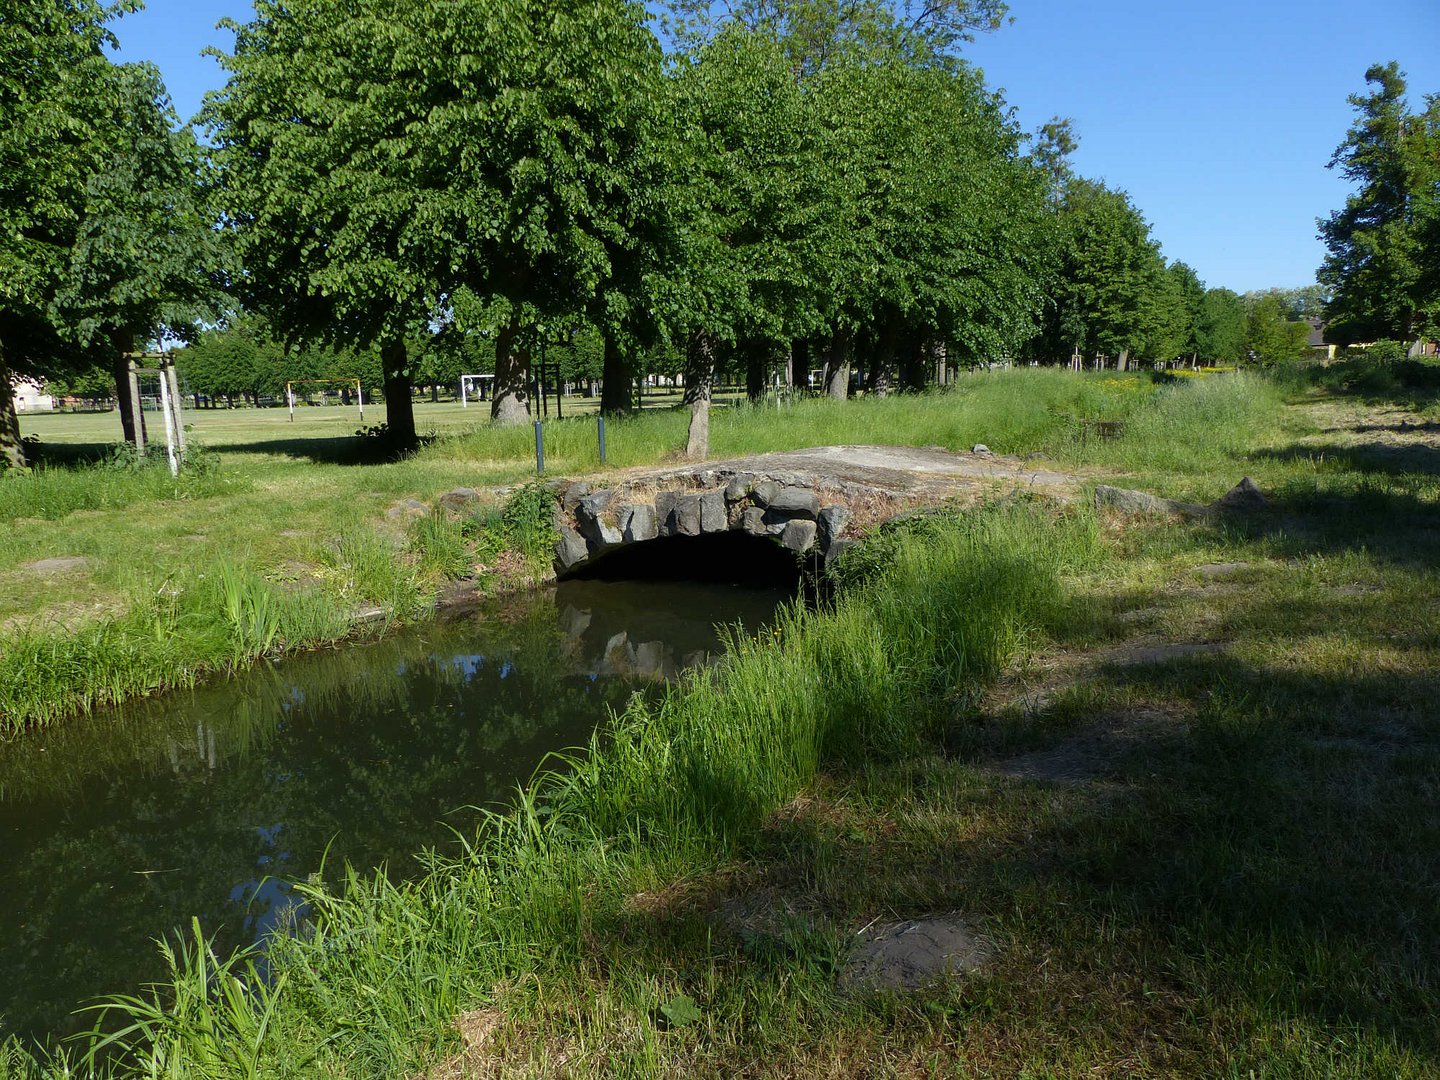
1217 117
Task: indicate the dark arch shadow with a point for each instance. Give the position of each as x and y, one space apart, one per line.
727 558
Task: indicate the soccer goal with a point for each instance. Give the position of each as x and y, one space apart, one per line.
470 383
292 383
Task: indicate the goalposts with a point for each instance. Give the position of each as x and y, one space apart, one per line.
292 383
465 381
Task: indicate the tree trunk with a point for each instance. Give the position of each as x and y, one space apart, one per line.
699 380
837 380
12 450
940 354
399 409
511 402
755 366
1122 362
434 392
129 409
616 398
800 364
882 363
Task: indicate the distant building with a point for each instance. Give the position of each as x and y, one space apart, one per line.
1319 347
30 396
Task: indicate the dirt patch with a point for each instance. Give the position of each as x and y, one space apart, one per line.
913 954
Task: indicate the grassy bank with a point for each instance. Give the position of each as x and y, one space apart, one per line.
116 580
1179 776
680 788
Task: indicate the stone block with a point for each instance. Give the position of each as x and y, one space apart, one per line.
665 503
739 488
798 535
764 492
573 493
592 506
637 522
796 501
713 517
753 521
836 549
570 549
687 516
833 520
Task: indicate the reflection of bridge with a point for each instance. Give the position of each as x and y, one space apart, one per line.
811 502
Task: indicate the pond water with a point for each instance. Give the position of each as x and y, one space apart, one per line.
115 831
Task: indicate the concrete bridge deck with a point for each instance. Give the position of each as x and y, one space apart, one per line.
813 501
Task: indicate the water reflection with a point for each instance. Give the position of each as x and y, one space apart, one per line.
115 831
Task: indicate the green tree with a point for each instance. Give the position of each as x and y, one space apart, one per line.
145 259
1271 335
1377 267
1220 329
1107 292
392 167
55 93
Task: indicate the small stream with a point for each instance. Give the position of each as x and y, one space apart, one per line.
116 830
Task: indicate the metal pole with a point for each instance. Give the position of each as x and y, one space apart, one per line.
290 397
600 427
464 403
539 449
169 425
360 397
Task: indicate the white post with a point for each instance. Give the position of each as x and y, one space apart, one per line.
464 402
169 424
360 397
290 397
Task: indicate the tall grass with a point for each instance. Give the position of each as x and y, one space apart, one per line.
51 491
671 786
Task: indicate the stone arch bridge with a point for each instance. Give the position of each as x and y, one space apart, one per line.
812 502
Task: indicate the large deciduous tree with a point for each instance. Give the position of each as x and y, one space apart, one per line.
1108 273
1381 244
55 91
391 167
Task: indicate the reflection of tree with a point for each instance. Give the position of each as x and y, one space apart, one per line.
126 826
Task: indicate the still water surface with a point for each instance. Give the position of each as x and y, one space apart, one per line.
116 830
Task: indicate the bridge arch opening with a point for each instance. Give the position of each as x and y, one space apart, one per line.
725 558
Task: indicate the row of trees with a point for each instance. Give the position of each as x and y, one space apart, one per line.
404 191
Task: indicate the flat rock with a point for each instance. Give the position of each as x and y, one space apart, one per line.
459 499
915 953
1221 569
753 521
1125 501
406 510
59 564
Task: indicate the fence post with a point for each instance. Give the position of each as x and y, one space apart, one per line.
539 449
600 427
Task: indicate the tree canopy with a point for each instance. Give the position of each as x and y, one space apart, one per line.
1382 245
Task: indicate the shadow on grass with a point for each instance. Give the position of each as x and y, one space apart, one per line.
328 450
1388 459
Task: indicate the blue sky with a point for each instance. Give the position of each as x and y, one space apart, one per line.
1217 117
